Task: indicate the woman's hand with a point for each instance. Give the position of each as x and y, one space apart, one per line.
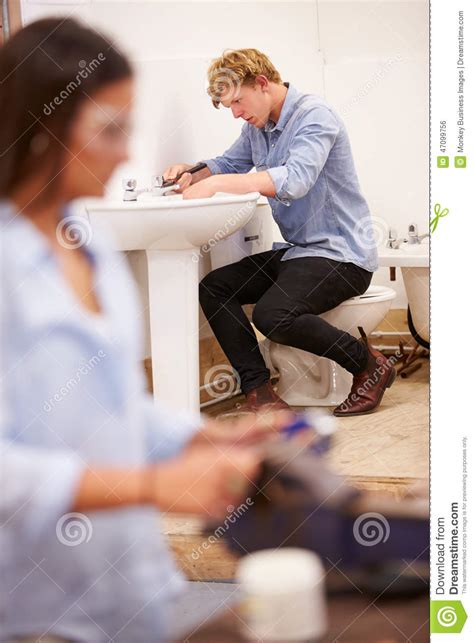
203 481
251 429
213 473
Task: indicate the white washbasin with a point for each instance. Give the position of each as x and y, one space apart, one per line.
168 232
408 255
171 222
414 261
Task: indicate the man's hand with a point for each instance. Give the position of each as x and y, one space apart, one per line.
186 179
203 481
205 188
175 170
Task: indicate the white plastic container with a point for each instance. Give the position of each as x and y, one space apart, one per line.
283 595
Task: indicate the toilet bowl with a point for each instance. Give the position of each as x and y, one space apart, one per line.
309 380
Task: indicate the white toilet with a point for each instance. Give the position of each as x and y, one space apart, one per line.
308 380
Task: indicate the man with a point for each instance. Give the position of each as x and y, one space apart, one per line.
302 156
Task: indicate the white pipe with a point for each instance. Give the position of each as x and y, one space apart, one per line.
390 333
221 398
228 396
388 347
214 383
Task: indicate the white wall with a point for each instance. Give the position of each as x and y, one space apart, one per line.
172 44
376 73
369 59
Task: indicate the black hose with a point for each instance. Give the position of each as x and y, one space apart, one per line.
422 342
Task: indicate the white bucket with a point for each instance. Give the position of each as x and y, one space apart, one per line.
283 595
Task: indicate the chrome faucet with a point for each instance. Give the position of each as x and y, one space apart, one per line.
131 193
392 241
413 236
159 189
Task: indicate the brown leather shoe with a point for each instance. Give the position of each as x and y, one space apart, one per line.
369 386
264 398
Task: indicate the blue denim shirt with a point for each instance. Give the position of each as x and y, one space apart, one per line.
72 394
318 204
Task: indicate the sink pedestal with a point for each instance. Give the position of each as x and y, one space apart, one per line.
171 230
173 278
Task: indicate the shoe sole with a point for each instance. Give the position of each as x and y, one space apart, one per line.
390 380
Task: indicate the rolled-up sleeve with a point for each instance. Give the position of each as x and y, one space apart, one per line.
307 154
236 160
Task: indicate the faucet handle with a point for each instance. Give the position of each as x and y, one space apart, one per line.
413 234
156 181
129 184
392 241
392 238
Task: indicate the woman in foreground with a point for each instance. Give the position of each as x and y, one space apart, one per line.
87 458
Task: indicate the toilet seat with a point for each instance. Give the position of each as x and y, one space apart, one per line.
371 295
308 380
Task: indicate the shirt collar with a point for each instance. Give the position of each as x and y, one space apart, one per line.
291 98
33 248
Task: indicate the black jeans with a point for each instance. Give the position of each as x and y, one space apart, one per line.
289 296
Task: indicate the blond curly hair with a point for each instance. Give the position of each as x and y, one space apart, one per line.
237 67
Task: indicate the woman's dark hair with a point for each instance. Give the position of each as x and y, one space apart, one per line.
47 70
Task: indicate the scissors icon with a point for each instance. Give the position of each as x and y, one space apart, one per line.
438 215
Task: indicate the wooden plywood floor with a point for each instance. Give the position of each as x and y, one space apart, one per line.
387 450
391 443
